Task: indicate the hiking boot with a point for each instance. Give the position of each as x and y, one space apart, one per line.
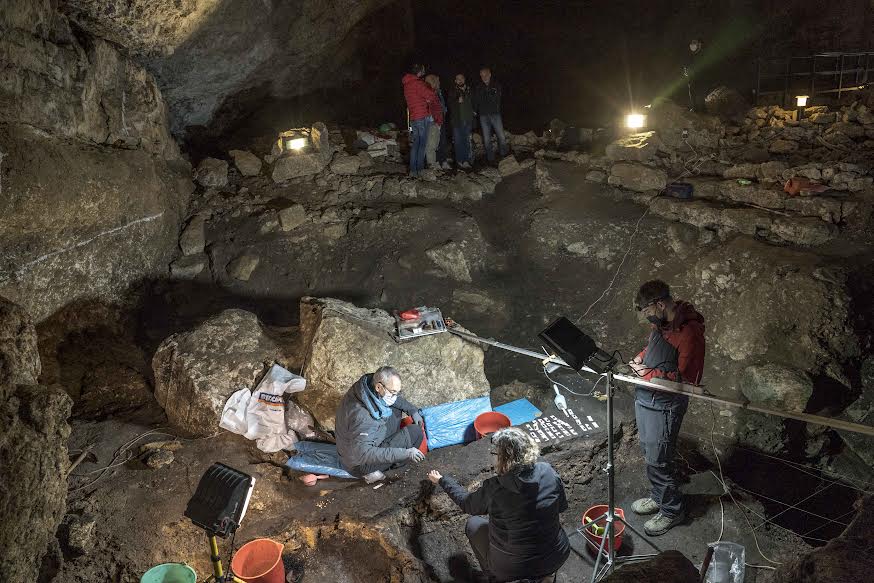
446 166
374 477
645 506
660 524
465 165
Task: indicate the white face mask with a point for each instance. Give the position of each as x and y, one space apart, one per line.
389 399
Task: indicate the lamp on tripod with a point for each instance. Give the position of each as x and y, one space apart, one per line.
218 507
577 350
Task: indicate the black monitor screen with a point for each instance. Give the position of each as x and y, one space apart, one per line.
569 342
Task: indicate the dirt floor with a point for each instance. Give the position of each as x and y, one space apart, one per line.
347 531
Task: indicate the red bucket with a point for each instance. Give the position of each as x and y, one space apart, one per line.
423 447
489 422
259 561
618 531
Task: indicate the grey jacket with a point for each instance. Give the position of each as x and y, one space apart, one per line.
359 434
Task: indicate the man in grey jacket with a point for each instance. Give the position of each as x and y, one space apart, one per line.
370 439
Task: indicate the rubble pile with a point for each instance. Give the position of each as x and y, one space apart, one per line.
784 176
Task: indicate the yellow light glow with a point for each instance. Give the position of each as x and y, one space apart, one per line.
297 143
801 100
635 121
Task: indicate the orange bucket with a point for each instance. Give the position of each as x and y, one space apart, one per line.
259 561
595 539
489 422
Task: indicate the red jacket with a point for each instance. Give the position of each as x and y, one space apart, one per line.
686 334
421 99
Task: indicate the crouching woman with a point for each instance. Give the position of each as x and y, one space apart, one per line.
521 537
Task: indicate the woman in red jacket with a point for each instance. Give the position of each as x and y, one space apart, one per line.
420 99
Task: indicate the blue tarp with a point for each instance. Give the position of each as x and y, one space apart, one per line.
519 411
452 423
317 458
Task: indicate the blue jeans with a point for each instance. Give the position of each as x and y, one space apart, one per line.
461 139
418 139
492 123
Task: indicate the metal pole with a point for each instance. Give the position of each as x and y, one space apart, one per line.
685 389
611 500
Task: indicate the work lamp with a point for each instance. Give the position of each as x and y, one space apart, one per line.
635 121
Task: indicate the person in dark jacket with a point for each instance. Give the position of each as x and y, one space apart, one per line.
674 351
370 438
522 538
420 98
487 104
461 108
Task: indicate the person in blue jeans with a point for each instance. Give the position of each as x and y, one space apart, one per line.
420 98
487 104
461 109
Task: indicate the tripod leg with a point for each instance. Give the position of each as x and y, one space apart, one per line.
217 571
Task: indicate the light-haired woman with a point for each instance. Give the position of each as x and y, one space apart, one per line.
522 538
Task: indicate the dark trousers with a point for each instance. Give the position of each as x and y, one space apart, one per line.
492 123
461 139
477 531
658 429
443 144
418 139
403 437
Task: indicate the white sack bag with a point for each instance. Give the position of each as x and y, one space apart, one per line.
234 412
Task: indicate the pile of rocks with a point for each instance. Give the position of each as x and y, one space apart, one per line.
738 173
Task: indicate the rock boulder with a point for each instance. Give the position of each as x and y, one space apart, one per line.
33 447
296 164
212 173
640 147
778 386
196 371
637 177
246 162
343 342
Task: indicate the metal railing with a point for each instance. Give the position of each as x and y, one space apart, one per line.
812 75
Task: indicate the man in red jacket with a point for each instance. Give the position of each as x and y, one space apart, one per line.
421 100
675 351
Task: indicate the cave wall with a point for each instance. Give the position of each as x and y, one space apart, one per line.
208 52
92 185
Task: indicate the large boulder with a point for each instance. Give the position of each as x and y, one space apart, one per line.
297 164
33 450
246 162
725 102
196 371
778 386
19 358
212 173
640 147
343 342
637 177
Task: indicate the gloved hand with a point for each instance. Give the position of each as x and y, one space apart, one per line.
417 418
414 455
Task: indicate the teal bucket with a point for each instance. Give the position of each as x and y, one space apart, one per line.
170 573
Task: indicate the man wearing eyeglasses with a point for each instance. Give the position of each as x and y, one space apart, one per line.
371 437
674 351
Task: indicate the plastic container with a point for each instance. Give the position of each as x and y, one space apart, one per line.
170 573
259 561
727 564
618 532
489 422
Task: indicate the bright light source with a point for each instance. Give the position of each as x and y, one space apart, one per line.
296 143
635 121
801 100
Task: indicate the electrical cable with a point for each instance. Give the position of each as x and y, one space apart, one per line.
589 394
